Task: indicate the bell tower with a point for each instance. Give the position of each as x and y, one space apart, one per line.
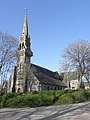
24 55
24 52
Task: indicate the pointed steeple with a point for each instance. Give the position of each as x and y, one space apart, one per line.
24 46
25 26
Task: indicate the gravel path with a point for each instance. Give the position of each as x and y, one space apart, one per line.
79 111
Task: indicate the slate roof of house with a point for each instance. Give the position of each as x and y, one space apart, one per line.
87 84
67 76
0 86
46 76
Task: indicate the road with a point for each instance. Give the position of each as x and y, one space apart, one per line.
79 111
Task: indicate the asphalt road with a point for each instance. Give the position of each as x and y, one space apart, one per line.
79 111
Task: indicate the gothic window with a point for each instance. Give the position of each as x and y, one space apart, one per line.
20 67
48 88
45 87
18 90
55 88
22 45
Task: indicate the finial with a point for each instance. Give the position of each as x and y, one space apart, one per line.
25 11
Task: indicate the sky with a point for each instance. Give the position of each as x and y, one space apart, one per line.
53 24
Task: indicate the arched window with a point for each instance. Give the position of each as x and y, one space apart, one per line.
55 88
19 90
47 87
20 67
22 45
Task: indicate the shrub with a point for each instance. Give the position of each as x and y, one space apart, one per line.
87 95
29 100
8 96
65 99
0 99
44 98
79 96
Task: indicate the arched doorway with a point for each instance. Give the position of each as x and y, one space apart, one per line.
18 90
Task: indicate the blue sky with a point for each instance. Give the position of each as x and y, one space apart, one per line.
53 24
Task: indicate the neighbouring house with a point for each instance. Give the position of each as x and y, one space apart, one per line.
28 77
87 85
72 80
0 87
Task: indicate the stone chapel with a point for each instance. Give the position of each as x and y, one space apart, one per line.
28 77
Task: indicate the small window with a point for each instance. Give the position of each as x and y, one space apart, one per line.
55 88
20 67
48 88
19 90
22 45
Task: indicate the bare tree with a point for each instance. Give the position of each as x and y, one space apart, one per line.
76 57
8 46
87 74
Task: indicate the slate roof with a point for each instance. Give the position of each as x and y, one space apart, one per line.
46 76
0 86
87 84
67 76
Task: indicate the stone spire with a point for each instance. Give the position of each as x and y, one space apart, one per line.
24 46
25 26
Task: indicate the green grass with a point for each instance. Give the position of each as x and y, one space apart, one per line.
45 98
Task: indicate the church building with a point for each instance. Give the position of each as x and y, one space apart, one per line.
28 77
